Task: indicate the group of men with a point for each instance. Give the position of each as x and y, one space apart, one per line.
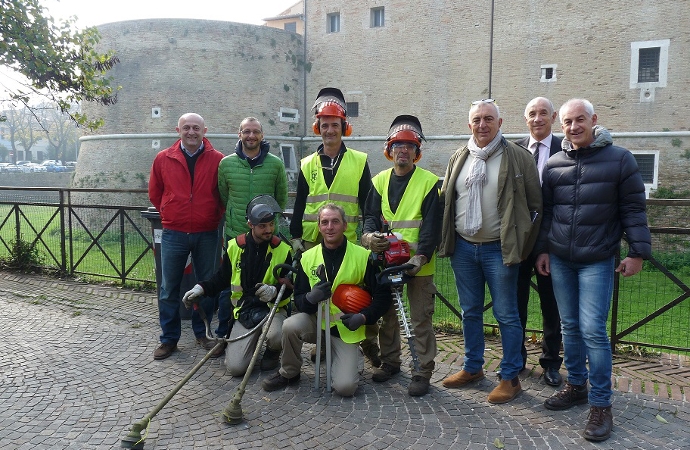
504 210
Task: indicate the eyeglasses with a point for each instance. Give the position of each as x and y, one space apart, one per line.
403 146
484 100
248 132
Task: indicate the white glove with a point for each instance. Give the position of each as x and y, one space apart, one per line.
417 261
192 295
297 246
266 292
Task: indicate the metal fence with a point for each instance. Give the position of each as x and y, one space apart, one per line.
89 234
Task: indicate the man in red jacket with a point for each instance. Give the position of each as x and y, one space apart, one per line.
184 188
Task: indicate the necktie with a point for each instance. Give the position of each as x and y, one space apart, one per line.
536 151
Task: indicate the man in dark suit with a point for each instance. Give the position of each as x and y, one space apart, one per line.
540 117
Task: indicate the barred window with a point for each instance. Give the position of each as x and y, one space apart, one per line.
648 66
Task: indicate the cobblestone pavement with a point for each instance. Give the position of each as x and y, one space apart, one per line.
78 372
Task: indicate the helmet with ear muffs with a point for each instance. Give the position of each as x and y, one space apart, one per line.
330 102
405 128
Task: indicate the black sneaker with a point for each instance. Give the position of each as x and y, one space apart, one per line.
385 373
270 360
419 386
570 395
277 381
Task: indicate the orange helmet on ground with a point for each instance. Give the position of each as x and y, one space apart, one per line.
350 298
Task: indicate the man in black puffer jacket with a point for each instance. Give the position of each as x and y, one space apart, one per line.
592 193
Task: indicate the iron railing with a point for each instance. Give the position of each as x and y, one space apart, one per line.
88 233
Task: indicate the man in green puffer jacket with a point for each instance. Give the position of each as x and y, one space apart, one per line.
252 170
243 175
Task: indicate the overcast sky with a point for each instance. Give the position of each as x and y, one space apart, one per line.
97 12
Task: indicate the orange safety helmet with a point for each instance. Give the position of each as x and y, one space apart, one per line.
351 299
331 102
405 128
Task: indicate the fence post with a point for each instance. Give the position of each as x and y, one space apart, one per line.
123 272
63 230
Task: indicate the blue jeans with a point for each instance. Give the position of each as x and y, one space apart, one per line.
474 266
583 293
175 248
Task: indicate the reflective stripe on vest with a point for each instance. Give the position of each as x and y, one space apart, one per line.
351 271
408 217
235 252
343 192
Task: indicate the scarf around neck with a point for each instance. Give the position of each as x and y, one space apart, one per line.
475 182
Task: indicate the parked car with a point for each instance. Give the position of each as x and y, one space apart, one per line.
12 168
35 167
53 166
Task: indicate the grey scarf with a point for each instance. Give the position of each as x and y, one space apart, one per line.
475 182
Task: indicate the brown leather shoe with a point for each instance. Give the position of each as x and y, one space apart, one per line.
462 378
599 425
570 395
505 391
220 351
205 342
164 350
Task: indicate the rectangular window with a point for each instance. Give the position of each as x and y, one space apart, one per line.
352 109
288 115
287 154
377 17
333 23
548 73
646 166
290 26
648 65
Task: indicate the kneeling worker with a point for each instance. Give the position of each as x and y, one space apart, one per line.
247 269
345 264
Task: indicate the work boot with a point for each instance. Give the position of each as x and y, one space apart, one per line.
570 395
277 381
505 391
462 378
220 351
599 424
371 352
418 387
205 342
385 373
270 360
164 350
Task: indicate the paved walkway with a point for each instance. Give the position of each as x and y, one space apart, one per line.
77 372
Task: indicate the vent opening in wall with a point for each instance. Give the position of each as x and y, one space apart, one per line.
289 115
155 144
156 112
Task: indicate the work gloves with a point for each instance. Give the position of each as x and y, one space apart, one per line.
376 242
192 296
417 261
320 292
297 246
266 292
353 321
